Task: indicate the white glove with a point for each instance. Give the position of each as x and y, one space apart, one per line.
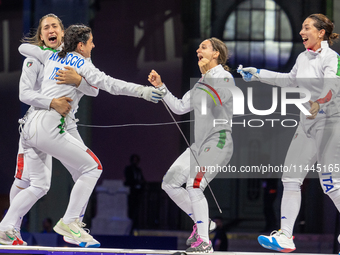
150 93
249 73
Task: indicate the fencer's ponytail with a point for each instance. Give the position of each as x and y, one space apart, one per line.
220 46
322 22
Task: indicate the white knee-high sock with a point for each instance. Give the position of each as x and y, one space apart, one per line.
290 207
79 197
15 189
75 176
13 192
20 205
181 197
201 212
82 213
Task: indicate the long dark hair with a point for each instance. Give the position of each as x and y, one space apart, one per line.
73 35
35 39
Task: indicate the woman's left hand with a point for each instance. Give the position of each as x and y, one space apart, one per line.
204 65
314 109
68 76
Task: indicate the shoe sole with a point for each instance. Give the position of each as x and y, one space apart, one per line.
265 243
81 244
200 251
208 251
212 227
89 245
3 243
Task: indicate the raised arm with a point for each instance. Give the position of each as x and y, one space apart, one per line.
29 50
178 106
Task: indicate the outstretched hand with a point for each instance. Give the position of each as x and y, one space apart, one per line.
248 73
155 79
68 76
150 93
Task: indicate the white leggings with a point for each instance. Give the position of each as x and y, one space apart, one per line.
44 135
323 147
22 177
185 170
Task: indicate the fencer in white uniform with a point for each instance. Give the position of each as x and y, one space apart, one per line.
213 145
46 132
50 33
31 95
317 138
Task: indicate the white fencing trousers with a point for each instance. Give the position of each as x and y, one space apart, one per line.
186 170
328 153
41 133
22 178
323 148
216 151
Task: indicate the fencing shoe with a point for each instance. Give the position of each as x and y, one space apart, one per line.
277 241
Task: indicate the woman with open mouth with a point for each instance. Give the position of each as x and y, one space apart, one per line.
209 99
317 138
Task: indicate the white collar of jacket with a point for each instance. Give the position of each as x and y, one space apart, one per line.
214 70
324 45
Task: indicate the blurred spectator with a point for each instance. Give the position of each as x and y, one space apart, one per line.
270 187
220 240
47 226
